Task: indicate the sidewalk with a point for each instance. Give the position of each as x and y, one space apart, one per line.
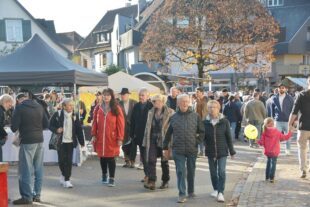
289 190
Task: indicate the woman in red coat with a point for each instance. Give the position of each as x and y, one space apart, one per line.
108 133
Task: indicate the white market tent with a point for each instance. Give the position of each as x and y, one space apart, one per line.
120 80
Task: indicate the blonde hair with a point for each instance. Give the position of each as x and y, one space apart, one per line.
214 102
160 97
266 122
6 98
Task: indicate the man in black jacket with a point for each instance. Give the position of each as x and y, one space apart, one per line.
6 102
30 119
68 126
137 125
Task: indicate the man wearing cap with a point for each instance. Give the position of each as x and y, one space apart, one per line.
127 105
281 107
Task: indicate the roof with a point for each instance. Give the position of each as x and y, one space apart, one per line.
147 13
71 40
106 24
291 17
39 64
44 29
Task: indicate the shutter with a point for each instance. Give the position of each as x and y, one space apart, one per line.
26 30
2 30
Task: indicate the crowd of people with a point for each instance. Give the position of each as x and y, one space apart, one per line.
180 126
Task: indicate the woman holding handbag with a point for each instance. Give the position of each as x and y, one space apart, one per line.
108 133
68 126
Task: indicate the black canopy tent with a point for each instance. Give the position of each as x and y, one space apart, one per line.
36 63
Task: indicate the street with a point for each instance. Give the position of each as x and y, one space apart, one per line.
129 191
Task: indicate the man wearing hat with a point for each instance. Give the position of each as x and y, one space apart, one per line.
281 108
127 105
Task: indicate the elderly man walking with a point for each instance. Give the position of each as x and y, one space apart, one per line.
185 124
301 111
6 102
30 119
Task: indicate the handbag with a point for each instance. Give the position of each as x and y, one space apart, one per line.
54 141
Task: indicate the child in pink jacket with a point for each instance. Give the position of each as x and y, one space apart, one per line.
270 140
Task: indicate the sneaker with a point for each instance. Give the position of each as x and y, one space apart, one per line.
164 185
220 197
68 184
303 174
105 179
111 182
22 201
140 167
151 185
36 199
191 195
214 194
181 199
61 180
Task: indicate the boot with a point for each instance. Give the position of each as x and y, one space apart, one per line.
151 185
164 185
146 182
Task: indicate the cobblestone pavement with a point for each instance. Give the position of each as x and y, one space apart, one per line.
289 190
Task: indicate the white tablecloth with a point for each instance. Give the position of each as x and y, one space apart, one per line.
10 151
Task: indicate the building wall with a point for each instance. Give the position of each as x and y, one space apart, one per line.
298 43
9 9
131 57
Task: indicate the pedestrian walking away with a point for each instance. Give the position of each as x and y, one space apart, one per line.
31 148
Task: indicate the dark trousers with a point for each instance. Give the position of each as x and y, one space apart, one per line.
1 159
217 169
65 153
155 152
133 155
271 167
237 130
108 162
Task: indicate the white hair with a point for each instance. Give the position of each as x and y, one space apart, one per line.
67 101
160 97
143 90
173 87
182 96
6 98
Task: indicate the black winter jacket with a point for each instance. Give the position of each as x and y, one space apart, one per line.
77 132
30 119
187 130
218 138
2 120
138 121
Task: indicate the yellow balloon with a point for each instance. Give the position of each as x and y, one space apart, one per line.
250 132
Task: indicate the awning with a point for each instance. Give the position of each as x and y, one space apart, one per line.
299 81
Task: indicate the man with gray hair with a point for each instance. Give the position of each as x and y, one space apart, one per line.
6 102
188 131
172 98
301 112
30 119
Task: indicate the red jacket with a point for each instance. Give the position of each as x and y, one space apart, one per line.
108 130
271 139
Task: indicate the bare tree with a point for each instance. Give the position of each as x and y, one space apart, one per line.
211 34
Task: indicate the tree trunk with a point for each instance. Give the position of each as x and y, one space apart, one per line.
200 74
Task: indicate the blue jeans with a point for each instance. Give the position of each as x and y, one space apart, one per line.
217 169
282 127
271 167
233 126
180 160
30 161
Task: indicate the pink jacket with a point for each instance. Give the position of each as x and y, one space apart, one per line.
271 139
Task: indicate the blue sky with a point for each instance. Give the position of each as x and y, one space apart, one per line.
72 15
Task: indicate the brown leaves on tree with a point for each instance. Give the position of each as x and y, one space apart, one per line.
212 34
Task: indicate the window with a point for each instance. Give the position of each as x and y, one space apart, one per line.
14 30
275 2
85 65
103 37
306 59
102 60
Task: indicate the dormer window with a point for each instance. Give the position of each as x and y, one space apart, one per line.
272 3
103 37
